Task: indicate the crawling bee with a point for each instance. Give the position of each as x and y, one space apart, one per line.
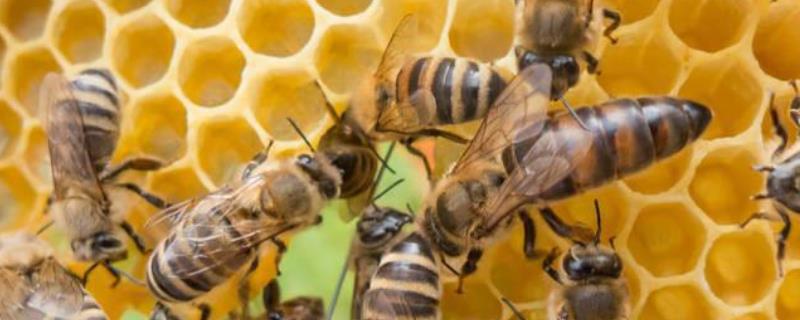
783 187
556 32
82 125
593 289
216 235
36 286
300 308
407 97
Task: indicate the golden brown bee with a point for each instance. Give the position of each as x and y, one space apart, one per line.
407 97
36 286
783 181
299 308
216 235
556 32
593 288
82 124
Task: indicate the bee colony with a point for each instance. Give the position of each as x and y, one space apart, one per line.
203 86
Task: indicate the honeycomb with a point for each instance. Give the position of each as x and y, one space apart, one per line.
208 83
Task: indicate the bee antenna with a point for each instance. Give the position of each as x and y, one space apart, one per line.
383 168
410 210
389 188
299 132
598 221
44 228
611 242
328 106
513 308
339 284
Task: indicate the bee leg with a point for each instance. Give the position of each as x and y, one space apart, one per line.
780 131
154 200
562 229
756 216
615 21
139 164
162 312
416 152
433 132
591 62
469 267
761 196
794 108
281 246
257 160
547 265
513 308
85 277
244 288
763 168
137 240
529 235
118 274
205 311
783 235
271 297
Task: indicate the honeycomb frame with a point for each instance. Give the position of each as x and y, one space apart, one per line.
194 75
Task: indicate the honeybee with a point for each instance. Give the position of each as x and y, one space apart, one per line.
407 97
82 125
557 32
300 308
216 235
36 286
593 288
782 177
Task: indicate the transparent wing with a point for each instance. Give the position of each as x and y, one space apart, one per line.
392 304
396 49
70 163
550 159
405 117
518 114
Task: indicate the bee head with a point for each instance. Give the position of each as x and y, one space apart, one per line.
100 246
566 69
326 176
585 262
379 225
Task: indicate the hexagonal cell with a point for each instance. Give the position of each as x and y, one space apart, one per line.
210 71
79 31
198 14
580 210
787 304
775 44
663 175
24 18
18 197
27 72
646 62
732 91
482 29
677 302
176 184
517 278
740 267
36 155
346 55
477 302
276 27
632 10
723 184
710 25
753 316
10 126
666 239
142 50
288 94
221 157
429 15
159 127
345 7
124 6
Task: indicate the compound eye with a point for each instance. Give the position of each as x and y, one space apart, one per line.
107 242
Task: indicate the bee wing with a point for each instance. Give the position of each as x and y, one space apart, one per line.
404 116
57 293
392 305
397 49
70 163
548 161
518 114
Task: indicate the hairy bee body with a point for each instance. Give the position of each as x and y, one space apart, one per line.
222 232
298 308
628 135
36 286
406 284
460 90
95 93
357 163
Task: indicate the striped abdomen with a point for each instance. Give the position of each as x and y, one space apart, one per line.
406 284
197 256
96 95
90 310
628 135
462 90
358 166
